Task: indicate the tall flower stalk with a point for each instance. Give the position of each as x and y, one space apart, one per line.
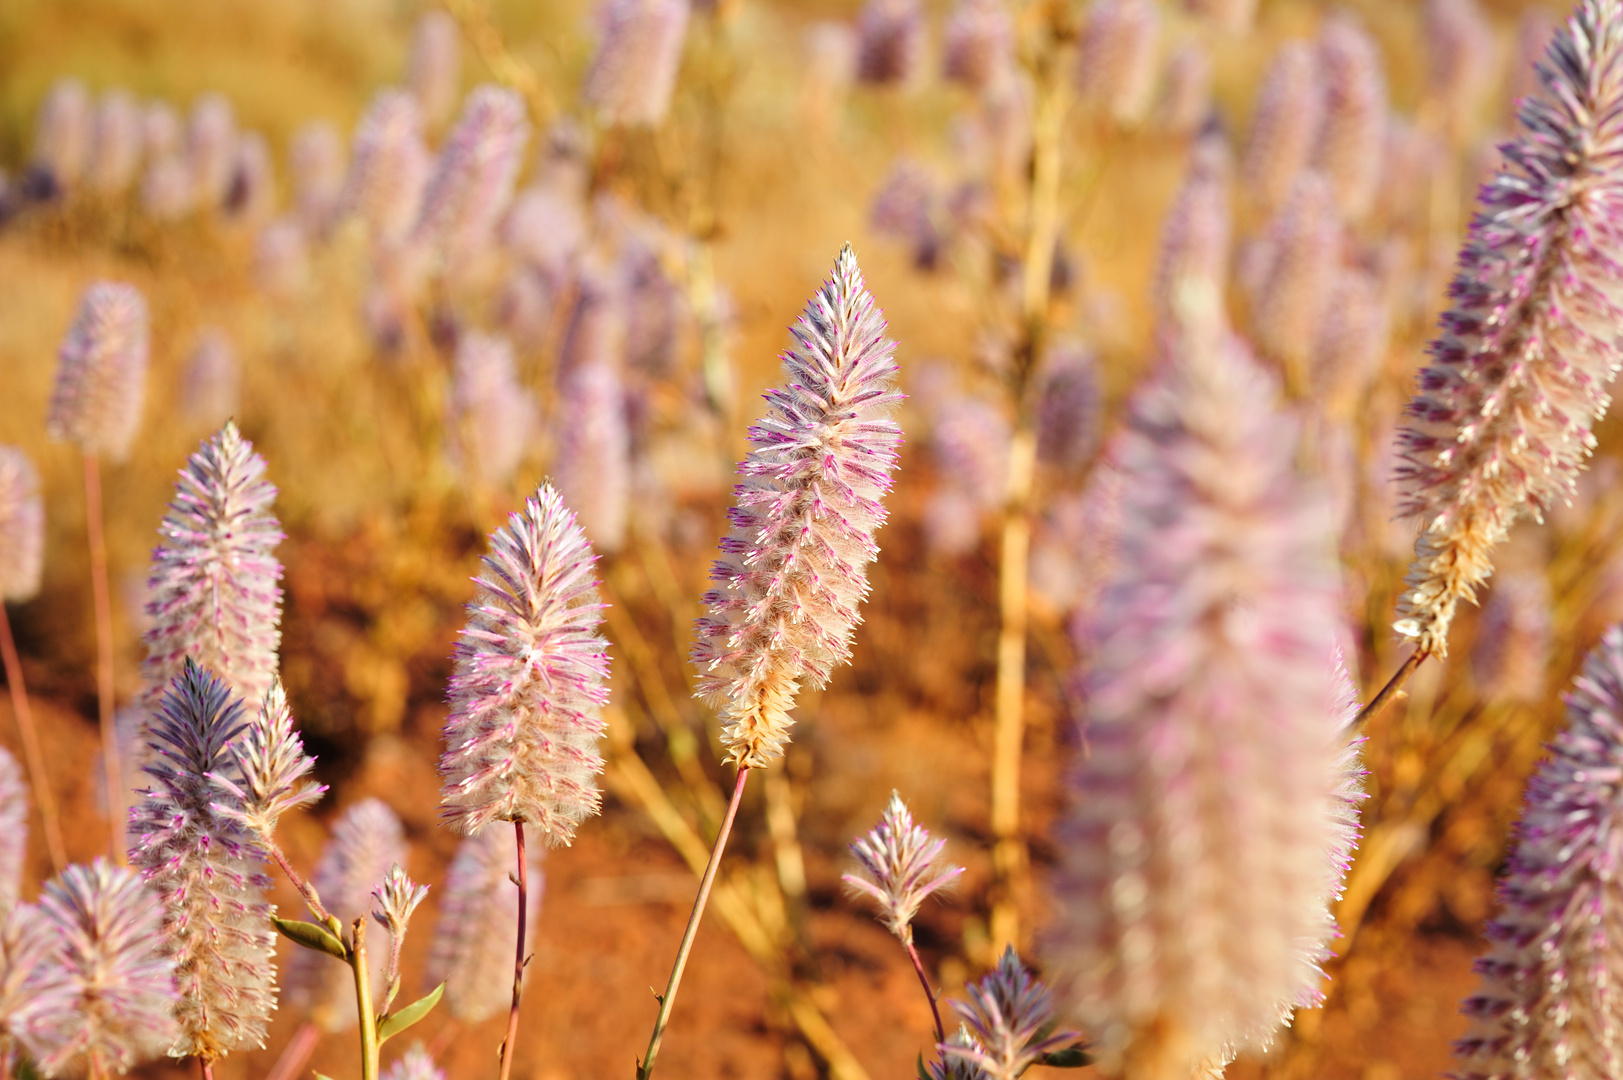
1501 420
96 404
521 742
794 565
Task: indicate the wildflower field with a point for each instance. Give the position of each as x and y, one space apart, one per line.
850 538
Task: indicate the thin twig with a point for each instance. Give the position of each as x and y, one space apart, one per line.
44 798
523 881
296 1054
102 599
1401 676
645 1068
312 899
924 981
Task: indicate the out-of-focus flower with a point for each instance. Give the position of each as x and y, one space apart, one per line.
62 135
316 164
1462 56
978 44
1067 407
900 868
209 383
1547 1003
1348 153
22 526
204 867
493 416
366 841
1007 1015
1513 638
830 50
890 42
160 130
521 742
1534 29
1186 101
1500 422
211 144
434 66
282 259
794 565
101 372
213 584
907 208
115 144
167 192
13 831
478 916
1196 237
1214 763
271 769
1117 58
250 197
633 73
414 1064
1231 15
103 997
593 465
1352 340
388 167
1305 250
472 181
1284 125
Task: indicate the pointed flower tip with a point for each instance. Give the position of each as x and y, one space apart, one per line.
900 867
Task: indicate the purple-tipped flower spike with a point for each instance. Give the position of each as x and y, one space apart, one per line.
493 416
1284 125
1548 1002
1306 248
414 1064
316 165
1500 423
205 869
210 382
388 167
115 144
1354 130
434 67
1117 58
13 831
101 372
271 771
213 583
366 841
478 910
978 45
633 73
593 466
103 998
25 942
1006 1015
62 136
901 868
521 743
956 1060
1196 237
22 526
1212 765
211 143
1462 56
472 182
794 567
1513 638
890 42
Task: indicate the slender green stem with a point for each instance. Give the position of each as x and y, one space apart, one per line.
102 598
645 1068
44 798
363 1003
523 881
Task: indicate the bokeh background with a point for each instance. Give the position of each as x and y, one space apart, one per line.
769 159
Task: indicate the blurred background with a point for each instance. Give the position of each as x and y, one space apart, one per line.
1017 210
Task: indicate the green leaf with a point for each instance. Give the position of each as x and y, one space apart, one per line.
400 1021
1072 1057
923 1075
311 936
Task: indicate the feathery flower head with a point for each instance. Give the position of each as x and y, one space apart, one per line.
316 166
1354 127
62 133
1212 765
414 1064
472 182
528 691
103 996
271 769
978 45
211 144
890 42
493 416
205 869
366 841
434 67
1116 58
1500 423
633 72
1548 1001
794 565
394 899
115 144
22 526
13 831
388 167
1199 228
478 910
101 372
901 867
214 597
1005 1014
1284 124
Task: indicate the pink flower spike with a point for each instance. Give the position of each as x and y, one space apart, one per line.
901 868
